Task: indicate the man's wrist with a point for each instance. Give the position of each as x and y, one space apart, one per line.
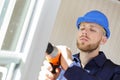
69 62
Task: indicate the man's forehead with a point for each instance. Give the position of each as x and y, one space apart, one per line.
91 24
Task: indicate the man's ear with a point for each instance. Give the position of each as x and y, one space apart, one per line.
104 40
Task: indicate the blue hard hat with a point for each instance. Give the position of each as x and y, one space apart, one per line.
97 17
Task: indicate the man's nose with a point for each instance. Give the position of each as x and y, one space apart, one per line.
85 32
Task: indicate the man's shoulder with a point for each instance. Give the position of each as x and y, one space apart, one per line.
113 65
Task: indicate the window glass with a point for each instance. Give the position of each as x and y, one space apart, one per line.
15 25
3 8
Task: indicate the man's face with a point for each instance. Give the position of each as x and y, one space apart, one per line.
89 36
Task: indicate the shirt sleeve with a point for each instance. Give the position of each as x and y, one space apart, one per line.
77 73
61 76
117 74
116 77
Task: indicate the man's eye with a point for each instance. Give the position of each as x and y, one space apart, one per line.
82 29
92 30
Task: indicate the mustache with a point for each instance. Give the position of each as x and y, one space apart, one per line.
84 36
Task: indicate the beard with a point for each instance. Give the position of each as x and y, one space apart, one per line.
87 48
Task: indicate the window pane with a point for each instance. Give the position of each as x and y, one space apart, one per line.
16 24
3 8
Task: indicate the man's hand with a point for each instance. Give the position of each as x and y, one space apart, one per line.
46 74
65 61
66 57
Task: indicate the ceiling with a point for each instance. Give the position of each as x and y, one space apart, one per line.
64 31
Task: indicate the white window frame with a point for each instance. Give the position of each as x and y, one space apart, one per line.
37 42
29 53
3 70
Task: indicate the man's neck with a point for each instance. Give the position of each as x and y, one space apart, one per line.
85 57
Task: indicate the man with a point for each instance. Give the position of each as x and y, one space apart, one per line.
89 63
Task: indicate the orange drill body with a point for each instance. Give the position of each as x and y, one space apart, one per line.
53 55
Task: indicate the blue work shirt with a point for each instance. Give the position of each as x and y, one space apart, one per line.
99 68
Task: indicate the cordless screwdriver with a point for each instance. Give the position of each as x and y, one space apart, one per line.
53 56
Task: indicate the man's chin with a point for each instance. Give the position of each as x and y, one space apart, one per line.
84 50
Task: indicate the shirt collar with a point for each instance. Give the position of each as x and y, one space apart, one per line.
98 60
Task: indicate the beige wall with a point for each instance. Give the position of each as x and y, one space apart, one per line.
64 31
